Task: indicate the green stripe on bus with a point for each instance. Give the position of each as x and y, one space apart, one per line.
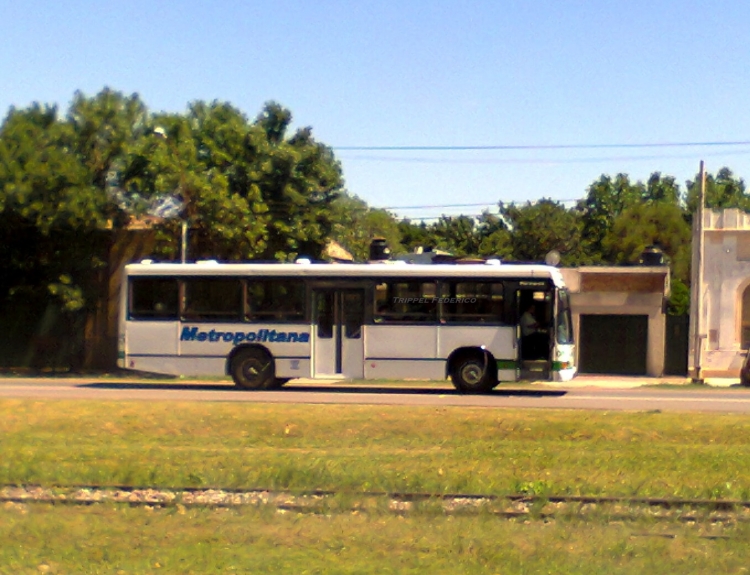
559 365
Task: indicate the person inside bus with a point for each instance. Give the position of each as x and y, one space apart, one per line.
534 342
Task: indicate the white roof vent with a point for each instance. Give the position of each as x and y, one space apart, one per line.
303 261
493 262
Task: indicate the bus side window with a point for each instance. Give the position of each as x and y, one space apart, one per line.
381 303
473 302
406 302
153 298
213 299
276 300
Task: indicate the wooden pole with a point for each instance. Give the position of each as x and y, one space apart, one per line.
698 287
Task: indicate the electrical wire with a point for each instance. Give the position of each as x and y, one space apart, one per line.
543 161
546 146
440 206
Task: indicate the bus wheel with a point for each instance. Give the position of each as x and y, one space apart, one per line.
473 374
253 369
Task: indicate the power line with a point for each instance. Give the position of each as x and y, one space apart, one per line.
440 206
545 146
543 161
426 207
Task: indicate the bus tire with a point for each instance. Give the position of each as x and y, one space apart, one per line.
473 373
253 368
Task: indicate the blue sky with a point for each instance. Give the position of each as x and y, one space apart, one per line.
422 73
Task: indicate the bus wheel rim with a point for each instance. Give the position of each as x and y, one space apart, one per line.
472 374
251 370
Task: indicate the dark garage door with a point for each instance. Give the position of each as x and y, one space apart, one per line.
613 344
676 345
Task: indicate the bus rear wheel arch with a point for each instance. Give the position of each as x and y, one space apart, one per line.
253 367
473 370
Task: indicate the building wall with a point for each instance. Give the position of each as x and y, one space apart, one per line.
726 276
623 291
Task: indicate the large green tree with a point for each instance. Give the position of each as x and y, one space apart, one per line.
53 176
642 225
250 190
57 218
605 199
299 180
69 183
540 227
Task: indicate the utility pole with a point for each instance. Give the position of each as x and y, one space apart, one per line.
184 241
697 305
162 133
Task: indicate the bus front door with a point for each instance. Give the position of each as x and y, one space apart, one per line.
338 347
534 313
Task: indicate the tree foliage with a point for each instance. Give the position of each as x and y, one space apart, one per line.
605 199
538 228
660 223
52 192
415 235
723 191
661 189
495 237
456 234
356 225
260 189
249 189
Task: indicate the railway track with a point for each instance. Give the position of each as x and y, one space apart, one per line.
322 501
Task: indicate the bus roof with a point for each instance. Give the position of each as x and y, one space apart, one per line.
366 270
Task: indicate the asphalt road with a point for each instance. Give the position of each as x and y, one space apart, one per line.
732 399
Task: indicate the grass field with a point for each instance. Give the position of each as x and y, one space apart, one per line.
103 539
375 448
359 448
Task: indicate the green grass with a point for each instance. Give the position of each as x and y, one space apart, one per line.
106 539
357 448
389 448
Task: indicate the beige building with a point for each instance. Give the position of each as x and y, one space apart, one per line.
618 318
724 301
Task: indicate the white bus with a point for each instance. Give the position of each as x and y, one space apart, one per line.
267 323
